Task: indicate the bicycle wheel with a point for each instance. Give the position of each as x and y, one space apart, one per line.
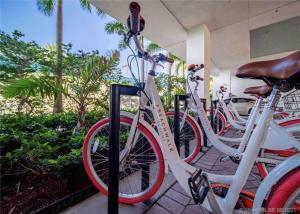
189 135
227 120
144 153
285 195
265 168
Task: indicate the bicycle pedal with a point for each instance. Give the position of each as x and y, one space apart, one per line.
224 158
198 186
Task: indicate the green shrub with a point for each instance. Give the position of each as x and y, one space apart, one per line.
41 143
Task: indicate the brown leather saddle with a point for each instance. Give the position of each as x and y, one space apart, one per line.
260 91
283 72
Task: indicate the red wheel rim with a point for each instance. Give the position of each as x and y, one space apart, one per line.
155 144
196 151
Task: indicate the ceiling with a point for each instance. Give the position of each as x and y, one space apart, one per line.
168 21
218 14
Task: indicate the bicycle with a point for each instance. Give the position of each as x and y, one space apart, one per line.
197 183
229 117
292 125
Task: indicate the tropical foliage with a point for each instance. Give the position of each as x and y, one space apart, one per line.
29 76
19 58
41 159
47 8
49 97
168 86
36 144
113 27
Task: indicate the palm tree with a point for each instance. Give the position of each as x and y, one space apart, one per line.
114 27
152 47
181 64
81 86
47 7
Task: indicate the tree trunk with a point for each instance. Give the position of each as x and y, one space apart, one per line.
169 82
142 63
170 65
183 74
22 101
183 69
58 102
81 118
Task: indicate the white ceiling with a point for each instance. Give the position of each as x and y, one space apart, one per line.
218 14
167 23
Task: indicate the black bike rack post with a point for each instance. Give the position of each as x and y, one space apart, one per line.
213 107
114 122
186 140
199 122
176 124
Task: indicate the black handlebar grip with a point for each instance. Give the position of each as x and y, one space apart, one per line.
135 9
201 66
199 78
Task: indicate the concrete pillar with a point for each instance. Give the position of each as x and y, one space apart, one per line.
198 52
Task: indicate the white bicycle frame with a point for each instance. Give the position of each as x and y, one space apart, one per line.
249 125
182 171
235 124
236 114
274 137
214 139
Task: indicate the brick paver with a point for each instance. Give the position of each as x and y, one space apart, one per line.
175 198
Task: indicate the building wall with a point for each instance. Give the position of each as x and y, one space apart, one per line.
236 86
233 84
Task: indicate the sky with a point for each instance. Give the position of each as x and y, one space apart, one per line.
83 29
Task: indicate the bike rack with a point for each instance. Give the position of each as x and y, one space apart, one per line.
213 106
204 136
176 124
116 90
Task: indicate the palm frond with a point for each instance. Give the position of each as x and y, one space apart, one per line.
152 47
122 45
86 5
44 86
177 68
101 13
176 58
115 27
46 6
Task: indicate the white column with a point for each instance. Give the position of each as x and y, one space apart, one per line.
198 52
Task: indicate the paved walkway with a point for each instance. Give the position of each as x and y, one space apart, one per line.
171 198
175 199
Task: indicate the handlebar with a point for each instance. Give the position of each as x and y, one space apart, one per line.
199 78
195 67
164 58
201 66
223 89
134 9
169 60
136 24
